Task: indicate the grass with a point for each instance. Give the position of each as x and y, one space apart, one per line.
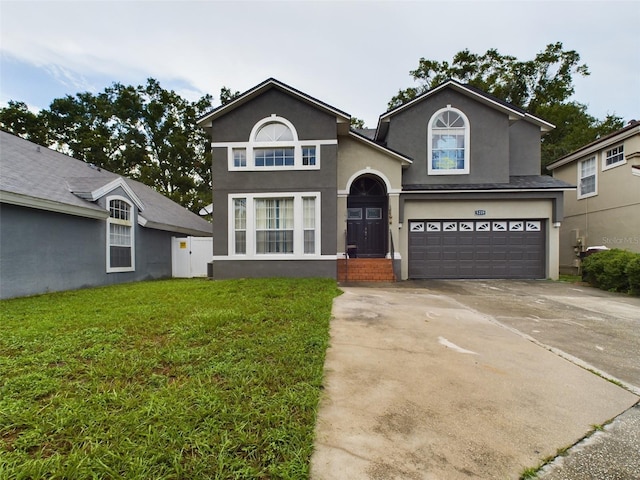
179 379
570 278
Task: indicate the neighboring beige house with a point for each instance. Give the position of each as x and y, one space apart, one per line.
605 209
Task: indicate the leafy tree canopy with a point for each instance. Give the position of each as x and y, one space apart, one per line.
146 132
542 86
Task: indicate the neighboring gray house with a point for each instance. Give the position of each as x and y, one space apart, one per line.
65 224
447 186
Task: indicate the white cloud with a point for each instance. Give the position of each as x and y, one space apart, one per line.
353 55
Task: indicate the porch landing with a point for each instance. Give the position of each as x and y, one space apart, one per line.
365 270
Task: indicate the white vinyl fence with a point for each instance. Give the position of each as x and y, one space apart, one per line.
190 256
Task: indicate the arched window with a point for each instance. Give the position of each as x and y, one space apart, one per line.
448 143
274 155
120 241
274 132
273 145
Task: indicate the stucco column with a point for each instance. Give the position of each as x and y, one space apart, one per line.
341 227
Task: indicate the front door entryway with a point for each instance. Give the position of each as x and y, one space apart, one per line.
367 218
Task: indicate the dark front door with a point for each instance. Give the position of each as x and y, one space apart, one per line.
366 218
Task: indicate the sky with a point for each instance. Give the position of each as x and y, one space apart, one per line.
353 55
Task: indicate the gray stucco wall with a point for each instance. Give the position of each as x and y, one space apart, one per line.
46 252
274 268
311 124
489 140
524 148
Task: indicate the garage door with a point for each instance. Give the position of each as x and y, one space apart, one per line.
477 249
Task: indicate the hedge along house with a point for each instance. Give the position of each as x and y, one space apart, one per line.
65 224
447 186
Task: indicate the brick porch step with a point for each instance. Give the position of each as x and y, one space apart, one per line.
365 270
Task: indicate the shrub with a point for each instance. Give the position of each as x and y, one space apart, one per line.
633 273
608 269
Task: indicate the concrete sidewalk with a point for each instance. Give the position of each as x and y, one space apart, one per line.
420 386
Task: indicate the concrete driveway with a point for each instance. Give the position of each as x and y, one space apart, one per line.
470 379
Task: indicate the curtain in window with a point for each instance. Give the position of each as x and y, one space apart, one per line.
240 225
274 225
309 206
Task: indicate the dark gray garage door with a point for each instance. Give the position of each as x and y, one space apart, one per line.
477 249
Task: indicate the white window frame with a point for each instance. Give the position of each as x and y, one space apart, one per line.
298 226
606 155
467 128
127 223
252 144
581 177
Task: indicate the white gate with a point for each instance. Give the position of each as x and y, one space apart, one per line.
190 256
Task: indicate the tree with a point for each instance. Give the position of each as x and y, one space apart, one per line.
226 95
16 118
357 122
542 87
146 133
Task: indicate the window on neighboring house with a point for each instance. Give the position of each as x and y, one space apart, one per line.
448 143
275 224
274 145
614 157
120 244
587 178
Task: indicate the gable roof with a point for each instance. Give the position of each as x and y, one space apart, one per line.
514 113
38 177
355 134
631 129
206 120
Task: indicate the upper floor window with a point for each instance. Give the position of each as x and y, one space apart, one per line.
587 178
448 143
120 236
613 157
274 145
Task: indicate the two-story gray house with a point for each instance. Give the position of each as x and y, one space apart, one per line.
447 186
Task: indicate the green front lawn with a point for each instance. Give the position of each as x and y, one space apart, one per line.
179 379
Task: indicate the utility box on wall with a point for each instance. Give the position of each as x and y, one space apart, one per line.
190 256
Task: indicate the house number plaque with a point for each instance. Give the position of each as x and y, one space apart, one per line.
481 212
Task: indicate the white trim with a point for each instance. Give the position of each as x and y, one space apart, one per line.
273 118
369 171
493 190
51 206
110 187
251 145
467 146
580 196
207 120
298 225
595 147
376 146
606 167
129 223
235 258
513 114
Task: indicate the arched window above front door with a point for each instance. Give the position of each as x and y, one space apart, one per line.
367 186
